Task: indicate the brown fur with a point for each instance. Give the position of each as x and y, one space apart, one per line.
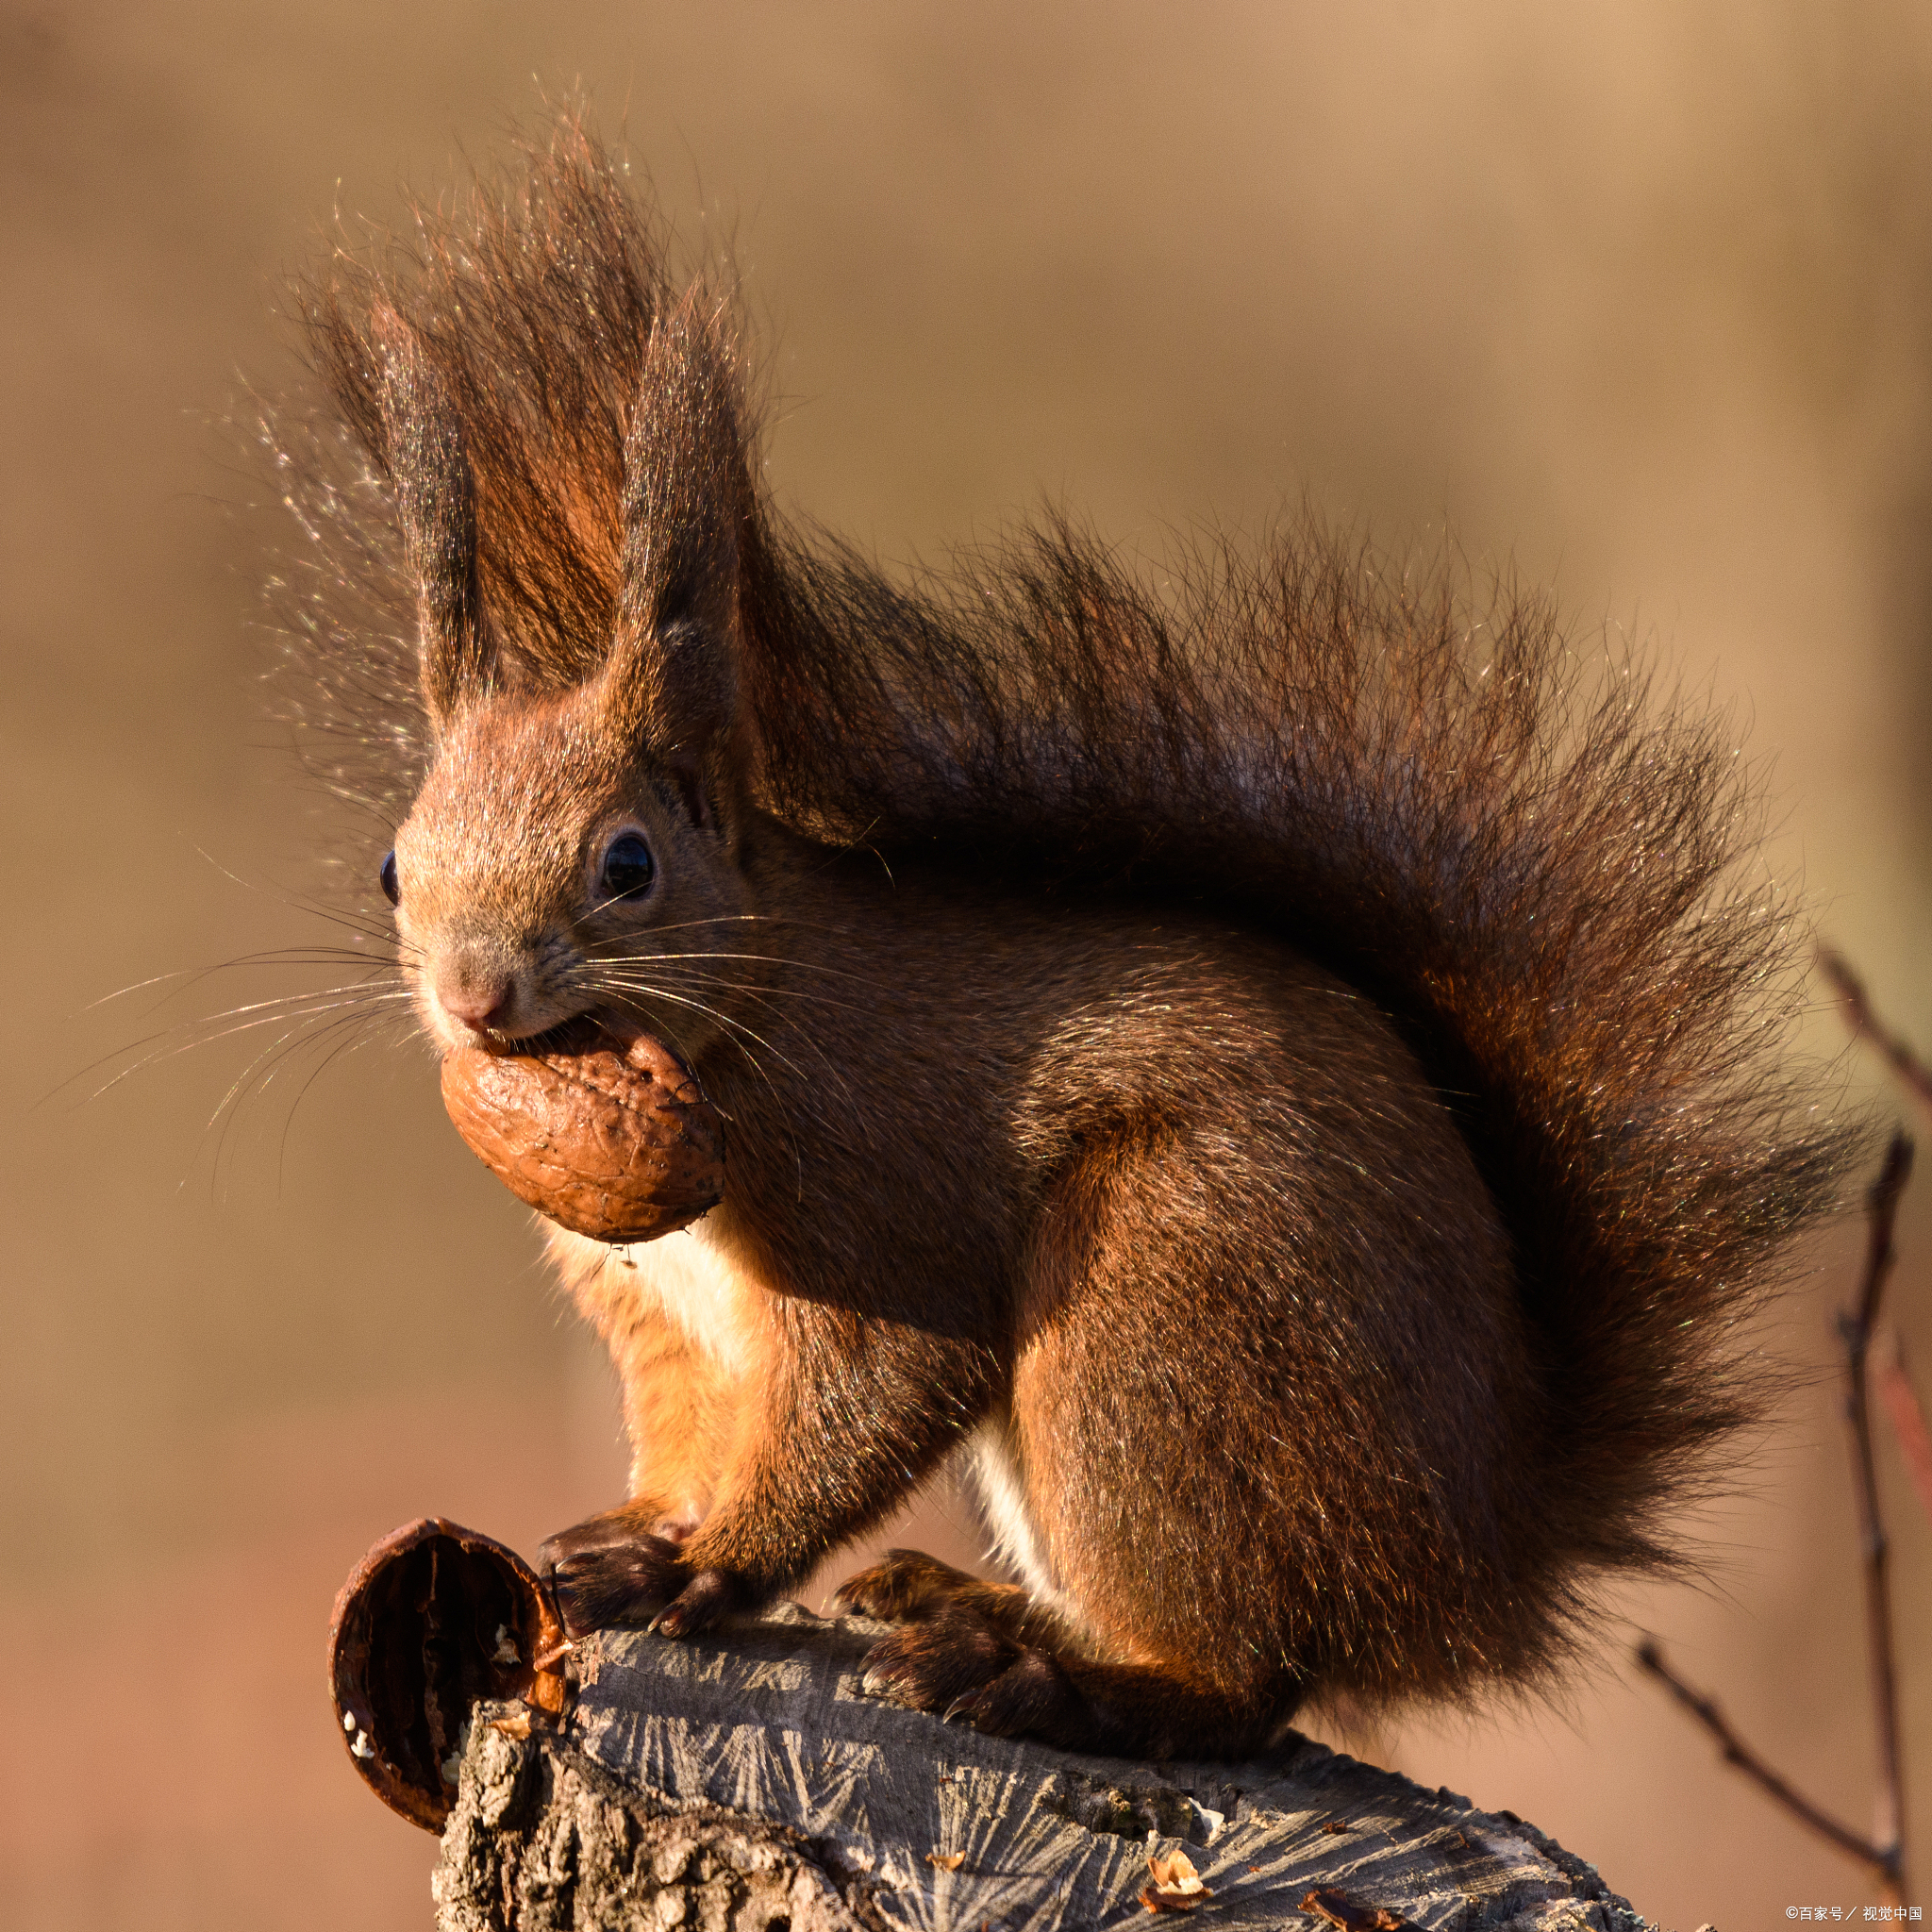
1280 1064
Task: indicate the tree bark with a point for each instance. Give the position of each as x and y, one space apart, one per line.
746 1782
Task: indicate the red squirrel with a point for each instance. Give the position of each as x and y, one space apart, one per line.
1271 1069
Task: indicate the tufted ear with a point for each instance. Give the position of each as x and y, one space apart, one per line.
437 499
686 498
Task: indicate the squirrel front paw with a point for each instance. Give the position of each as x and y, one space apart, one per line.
610 1573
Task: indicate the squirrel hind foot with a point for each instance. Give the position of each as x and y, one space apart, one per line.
954 1663
961 1666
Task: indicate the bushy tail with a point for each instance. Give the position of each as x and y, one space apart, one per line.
1547 875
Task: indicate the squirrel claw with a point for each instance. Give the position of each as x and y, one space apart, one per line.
709 1595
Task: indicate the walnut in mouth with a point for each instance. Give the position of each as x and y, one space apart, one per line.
615 1142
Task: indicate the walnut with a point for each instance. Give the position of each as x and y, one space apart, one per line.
616 1142
433 1618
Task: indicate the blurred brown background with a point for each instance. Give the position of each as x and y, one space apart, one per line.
1637 295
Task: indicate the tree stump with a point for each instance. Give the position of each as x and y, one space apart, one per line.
744 1781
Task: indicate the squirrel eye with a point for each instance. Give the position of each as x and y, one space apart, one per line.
628 868
391 891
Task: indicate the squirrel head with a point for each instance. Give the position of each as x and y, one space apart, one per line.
569 843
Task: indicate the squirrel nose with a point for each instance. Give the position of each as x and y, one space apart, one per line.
478 1000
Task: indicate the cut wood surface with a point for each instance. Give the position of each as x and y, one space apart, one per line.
746 1781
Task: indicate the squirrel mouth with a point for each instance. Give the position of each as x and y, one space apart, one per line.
581 1033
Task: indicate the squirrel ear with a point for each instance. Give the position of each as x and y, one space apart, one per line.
436 496
687 495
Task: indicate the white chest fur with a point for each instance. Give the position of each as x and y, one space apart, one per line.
703 1290
694 1277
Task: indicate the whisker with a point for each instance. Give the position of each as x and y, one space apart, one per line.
757 991
733 919
302 901
762 958
189 977
717 1013
832 1068
265 1013
353 1038
256 1077
291 1002
758 1066
382 932
764 995
268 1067
734 1027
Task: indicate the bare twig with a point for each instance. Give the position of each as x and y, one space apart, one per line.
1704 1709
1866 1024
1884 1852
1855 1328
1907 1420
